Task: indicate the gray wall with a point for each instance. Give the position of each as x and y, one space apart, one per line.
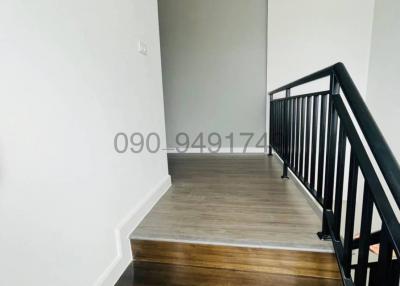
214 67
384 74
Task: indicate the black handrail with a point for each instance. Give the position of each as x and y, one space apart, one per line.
299 125
312 77
376 141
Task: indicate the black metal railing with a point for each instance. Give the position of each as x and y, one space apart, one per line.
325 138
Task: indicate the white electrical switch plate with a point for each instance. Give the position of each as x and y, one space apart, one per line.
142 48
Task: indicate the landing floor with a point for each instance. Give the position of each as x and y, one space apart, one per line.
236 200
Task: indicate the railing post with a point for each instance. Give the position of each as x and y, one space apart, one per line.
286 136
270 125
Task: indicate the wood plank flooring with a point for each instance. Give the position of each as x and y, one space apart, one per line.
235 200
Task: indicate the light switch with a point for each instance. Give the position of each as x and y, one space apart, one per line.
142 48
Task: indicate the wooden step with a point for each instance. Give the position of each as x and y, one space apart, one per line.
247 259
152 274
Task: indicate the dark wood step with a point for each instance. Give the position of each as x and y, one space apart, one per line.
246 259
152 274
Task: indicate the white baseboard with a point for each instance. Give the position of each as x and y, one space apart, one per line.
123 230
227 150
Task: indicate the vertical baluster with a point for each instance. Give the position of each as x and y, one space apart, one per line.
274 117
314 141
277 126
270 131
385 258
321 151
285 138
290 133
395 273
297 135
330 164
286 132
290 116
293 111
334 91
303 101
339 181
350 213
373 275
273 120
307 144
363 252
285 113
278 107
282 129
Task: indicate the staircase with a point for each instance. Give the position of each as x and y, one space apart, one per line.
230 220
234 221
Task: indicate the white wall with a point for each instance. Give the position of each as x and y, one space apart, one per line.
214 67
308 35
383 96
70 78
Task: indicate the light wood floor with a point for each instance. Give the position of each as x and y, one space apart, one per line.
233 199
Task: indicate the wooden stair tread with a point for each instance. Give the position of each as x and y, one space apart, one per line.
273 261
